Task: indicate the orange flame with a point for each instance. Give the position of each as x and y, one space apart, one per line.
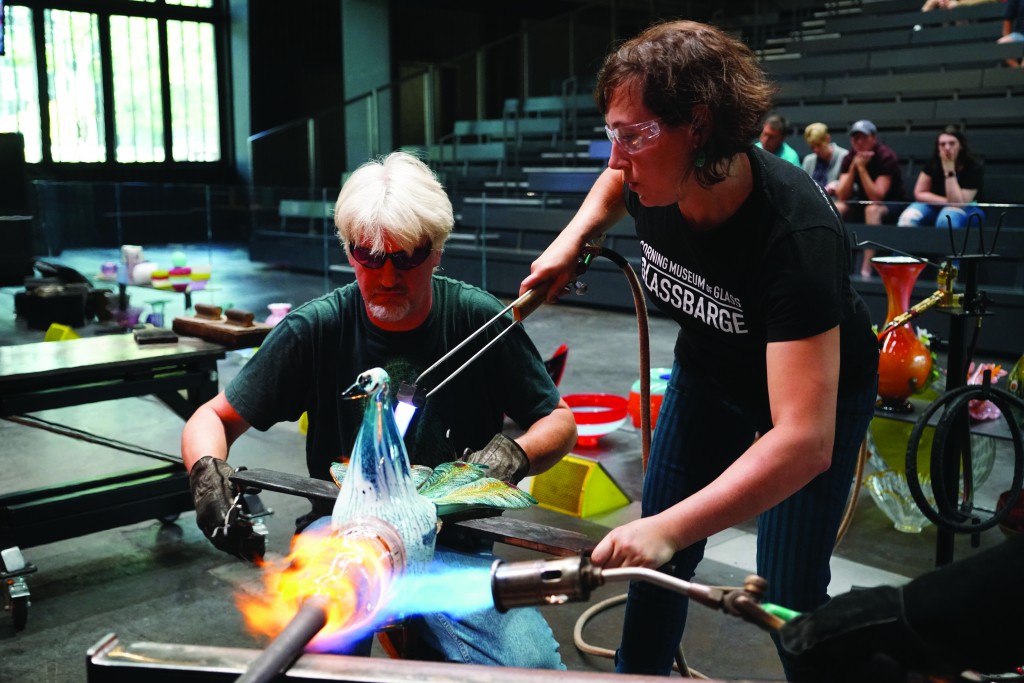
353 571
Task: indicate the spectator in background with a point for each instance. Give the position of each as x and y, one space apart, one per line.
952 176
929 5
826 157
870 173
773 139
1013 27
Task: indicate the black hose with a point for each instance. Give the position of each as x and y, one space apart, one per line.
958 401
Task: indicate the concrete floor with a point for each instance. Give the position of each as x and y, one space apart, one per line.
164 583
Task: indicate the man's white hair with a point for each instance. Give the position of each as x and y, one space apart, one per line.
398 197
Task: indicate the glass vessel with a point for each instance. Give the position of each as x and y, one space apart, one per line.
277 312
904 362
379 482
887 479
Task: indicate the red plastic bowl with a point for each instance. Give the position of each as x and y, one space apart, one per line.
596 415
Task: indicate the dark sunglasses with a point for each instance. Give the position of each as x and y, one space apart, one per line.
367 258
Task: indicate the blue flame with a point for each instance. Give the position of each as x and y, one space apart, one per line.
453 591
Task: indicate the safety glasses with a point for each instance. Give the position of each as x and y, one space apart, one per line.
367 258
634 137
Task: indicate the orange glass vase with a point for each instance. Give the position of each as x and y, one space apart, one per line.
904 361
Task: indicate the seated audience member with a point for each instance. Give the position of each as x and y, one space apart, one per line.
869 173
773 139
929 5
825 158
1013 27
952 176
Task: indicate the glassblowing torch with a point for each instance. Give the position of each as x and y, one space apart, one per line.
571 579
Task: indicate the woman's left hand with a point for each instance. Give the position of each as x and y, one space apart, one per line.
641 543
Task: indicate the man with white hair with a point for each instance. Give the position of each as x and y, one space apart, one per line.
393 218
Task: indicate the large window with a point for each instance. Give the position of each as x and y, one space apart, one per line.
194 109
75 97
121 81
138 108
19 83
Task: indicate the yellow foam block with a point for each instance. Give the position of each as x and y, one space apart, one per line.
58 332
578 487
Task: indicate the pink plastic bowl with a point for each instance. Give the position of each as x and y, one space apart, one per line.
596 415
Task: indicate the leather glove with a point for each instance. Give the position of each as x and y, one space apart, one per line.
858 636
216 515
506 460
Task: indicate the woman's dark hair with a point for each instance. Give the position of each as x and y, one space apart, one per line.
965 159
692 73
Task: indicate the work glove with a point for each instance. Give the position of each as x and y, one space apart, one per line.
505 459
219 510
862 635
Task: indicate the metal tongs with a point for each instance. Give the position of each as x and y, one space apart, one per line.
414 396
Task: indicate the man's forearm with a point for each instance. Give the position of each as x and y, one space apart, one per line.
844 188
549 439
204 434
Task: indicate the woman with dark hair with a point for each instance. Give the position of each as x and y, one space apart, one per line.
746 252
947 189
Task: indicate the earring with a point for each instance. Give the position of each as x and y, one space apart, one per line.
700 159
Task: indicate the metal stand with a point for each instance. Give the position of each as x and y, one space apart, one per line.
946 473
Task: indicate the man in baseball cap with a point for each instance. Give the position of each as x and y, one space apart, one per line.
863 126
869 176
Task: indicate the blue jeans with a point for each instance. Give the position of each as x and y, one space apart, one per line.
920 213
699 435
520 637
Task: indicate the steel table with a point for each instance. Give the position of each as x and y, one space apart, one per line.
49 375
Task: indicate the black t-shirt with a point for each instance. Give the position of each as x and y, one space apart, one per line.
777 270
320 348
969 178
884 162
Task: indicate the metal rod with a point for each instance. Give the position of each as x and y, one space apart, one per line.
286 647
475 356
465 341
659 579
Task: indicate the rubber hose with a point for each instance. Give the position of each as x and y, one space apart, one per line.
958 401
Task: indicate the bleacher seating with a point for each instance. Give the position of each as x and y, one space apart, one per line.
910 72
517 180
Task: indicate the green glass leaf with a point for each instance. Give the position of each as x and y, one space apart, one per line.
449 476
487 492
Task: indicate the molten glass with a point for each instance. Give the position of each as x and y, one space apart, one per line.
353 569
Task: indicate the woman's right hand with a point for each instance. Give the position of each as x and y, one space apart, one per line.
553 269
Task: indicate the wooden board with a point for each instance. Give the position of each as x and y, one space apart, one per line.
222 331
